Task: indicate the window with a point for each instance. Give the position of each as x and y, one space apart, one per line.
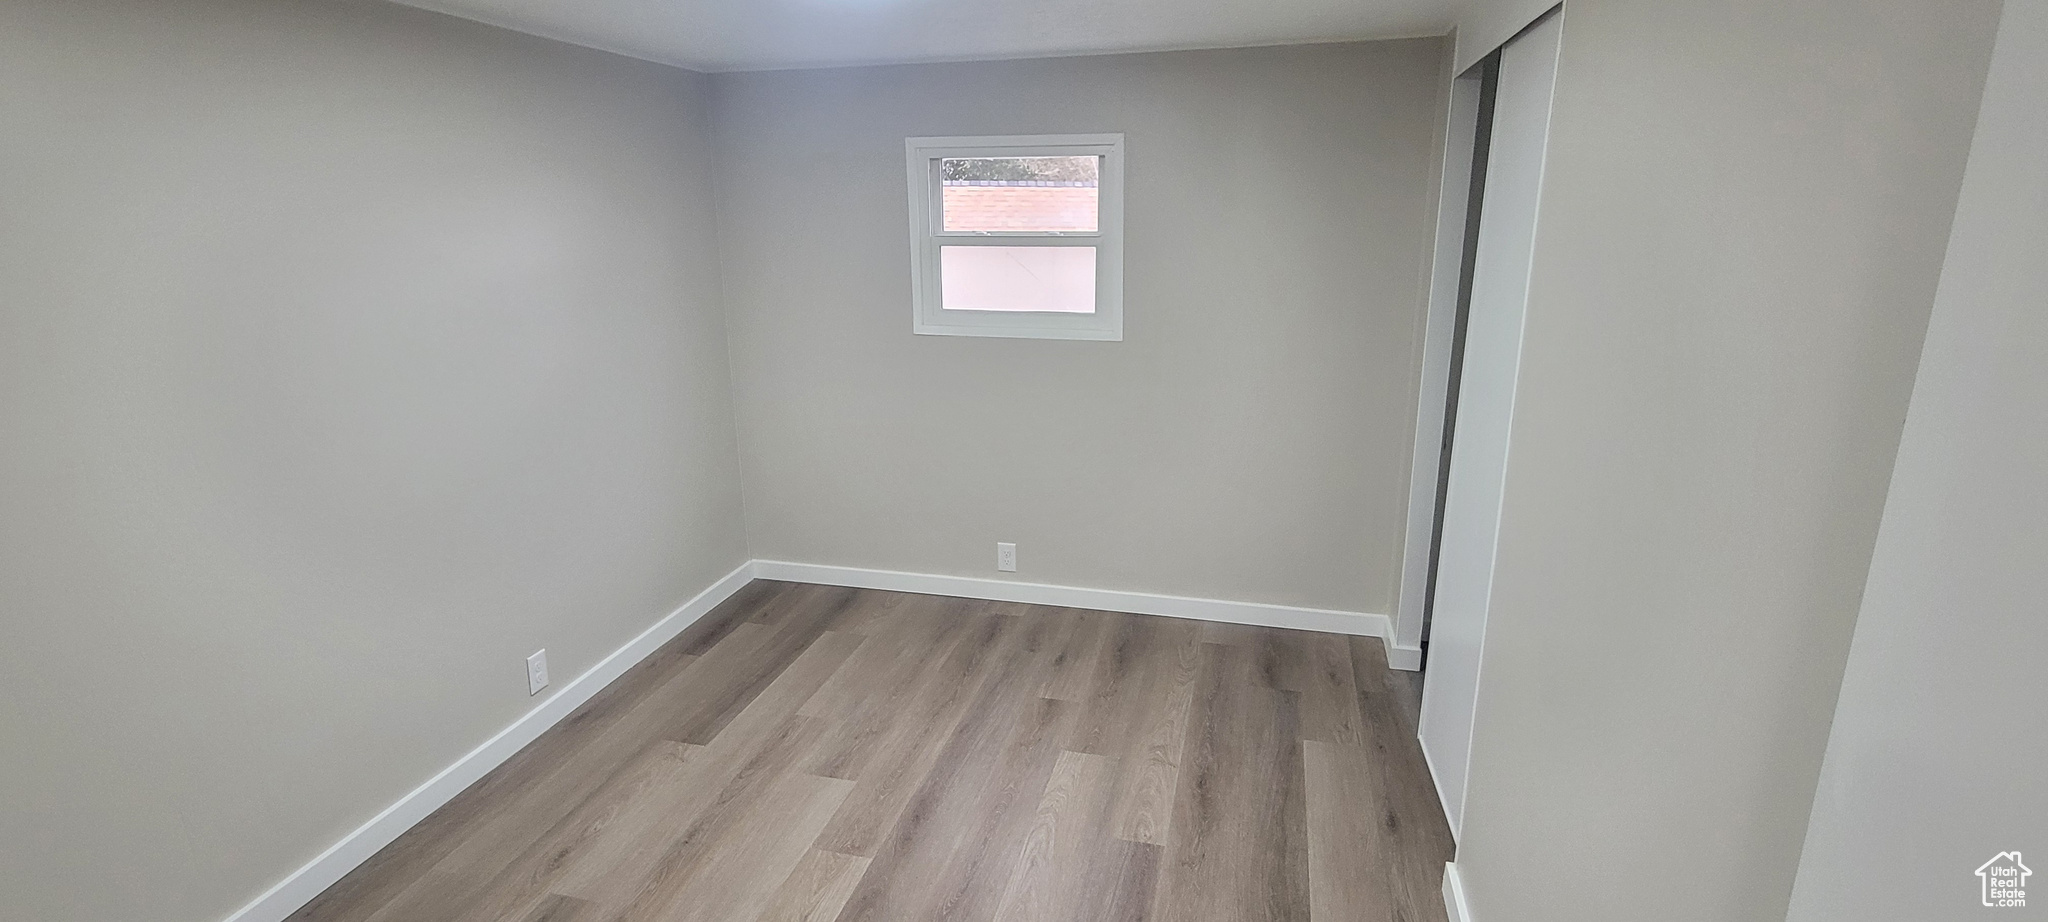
1017 236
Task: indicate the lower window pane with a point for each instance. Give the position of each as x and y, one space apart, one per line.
1060 279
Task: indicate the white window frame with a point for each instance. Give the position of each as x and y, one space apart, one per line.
928 233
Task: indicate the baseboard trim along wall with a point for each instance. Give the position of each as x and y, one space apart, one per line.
302 885
1137 603
1454 895
1436 784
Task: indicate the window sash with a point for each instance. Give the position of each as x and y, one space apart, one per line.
928 235
936 221
1017 240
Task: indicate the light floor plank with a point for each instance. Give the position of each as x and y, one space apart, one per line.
817 889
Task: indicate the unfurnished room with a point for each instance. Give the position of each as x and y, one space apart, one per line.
1023 460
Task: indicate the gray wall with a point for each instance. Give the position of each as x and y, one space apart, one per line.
1744 212
1934 763
348 354
1249 438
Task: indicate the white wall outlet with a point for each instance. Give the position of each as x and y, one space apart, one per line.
1006 557
536 672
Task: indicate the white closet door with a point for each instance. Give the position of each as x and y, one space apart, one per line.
1486 403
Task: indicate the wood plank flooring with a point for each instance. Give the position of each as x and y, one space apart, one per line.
819 754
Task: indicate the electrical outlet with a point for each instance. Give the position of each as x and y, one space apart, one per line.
536 672
1006 557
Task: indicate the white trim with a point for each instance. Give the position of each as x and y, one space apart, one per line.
301 886
1361 624
1455 907
1484 28
1425 468
1524 98
1437 784
927 236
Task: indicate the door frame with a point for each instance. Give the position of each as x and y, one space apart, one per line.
1450 287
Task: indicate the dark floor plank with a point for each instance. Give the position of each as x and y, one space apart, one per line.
527 884
1349 850
951 851
1398 690
562 909
763 743
671 838
1069 865
947 854
887 679
1237 852
915 742
1071 677
1329 691
732 870
725 686
758 601
1137 713
817 889
1128 879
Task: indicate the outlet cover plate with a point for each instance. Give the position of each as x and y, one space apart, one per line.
536 672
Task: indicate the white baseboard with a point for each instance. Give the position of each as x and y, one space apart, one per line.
302 885
1454 895
1436 782
1139 603
1406 659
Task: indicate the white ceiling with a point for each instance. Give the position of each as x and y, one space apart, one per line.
716 35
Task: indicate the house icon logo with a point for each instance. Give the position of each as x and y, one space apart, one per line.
2004 881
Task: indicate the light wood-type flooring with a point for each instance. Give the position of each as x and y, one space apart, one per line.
811 753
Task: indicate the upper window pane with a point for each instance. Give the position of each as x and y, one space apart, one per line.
1021 194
